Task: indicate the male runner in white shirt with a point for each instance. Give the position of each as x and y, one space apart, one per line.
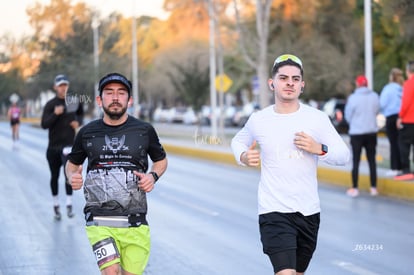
292 138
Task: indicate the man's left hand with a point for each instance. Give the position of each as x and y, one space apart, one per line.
306 143
146 181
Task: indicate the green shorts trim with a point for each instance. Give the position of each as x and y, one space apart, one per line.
133 244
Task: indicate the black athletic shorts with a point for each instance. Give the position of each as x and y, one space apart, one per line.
289 239
14 121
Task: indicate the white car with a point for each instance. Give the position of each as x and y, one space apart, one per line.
162 115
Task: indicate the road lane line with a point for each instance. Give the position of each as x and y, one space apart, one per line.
354 269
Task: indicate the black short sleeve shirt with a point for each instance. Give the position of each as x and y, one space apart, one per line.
113 152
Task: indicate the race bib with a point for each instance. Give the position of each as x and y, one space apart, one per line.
105 251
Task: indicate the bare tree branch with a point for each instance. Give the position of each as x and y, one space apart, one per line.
242 40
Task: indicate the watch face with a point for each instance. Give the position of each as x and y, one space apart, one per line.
324 148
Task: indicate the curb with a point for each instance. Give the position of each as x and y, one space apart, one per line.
386 186
200 153
32 120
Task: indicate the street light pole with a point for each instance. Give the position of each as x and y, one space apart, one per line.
368 44
213 94
135 94
221 90
95 26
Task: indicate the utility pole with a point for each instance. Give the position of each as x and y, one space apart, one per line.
95 26
221 93
213 93
135 93
368 44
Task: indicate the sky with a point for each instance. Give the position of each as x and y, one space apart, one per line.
13 18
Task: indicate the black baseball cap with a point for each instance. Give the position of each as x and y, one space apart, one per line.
114 78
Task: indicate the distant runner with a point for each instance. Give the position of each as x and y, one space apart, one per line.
13 115
63 118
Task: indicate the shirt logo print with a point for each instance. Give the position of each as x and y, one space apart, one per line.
114 144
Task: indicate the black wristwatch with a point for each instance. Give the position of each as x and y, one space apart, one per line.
324 149
156 177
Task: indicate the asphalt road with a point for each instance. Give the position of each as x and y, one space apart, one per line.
203 221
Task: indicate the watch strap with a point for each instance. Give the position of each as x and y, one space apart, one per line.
324 149
155 175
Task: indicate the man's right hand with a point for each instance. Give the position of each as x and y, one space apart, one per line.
75 179
59 109
251 157
74 124
399 124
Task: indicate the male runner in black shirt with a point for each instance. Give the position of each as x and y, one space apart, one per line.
62 115
117 147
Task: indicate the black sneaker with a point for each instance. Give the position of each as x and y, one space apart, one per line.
58 216
69 210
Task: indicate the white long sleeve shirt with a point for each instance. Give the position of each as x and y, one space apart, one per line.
288 181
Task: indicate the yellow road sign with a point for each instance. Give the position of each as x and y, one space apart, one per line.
223 83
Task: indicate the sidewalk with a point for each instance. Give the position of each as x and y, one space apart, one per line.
206 147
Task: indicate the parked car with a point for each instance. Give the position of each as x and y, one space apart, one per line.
335 109
242 115
190 117
205 114
162 114
177 114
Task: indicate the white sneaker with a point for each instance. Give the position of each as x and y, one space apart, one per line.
373 191
392 173
352 192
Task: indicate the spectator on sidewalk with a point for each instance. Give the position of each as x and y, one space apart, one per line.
361 112
390 103
405 123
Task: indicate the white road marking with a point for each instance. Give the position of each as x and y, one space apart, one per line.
354 269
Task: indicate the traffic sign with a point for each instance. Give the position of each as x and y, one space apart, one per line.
223 83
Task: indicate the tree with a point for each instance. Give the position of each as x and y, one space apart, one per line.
166 43
333 50
70 55
328 37
10 82
259 62
191 81
393 35
56 19
16 65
